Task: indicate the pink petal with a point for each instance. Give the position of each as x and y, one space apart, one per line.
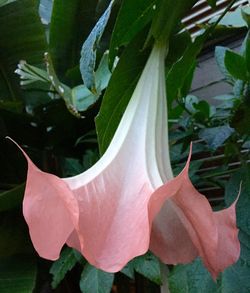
50 211
111 226
186 227
113 216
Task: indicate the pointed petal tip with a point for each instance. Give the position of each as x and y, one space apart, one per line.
18 146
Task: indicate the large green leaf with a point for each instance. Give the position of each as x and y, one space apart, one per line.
236 65
21 37
95 281
133 17
4 2
14 237
247 52
232 189
119 91
236 278
194 278
241 118
64 264
191 278
17 274
180 71
168 15
149 266
220 53
71 23
11 198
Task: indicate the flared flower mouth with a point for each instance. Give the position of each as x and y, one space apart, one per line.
129 202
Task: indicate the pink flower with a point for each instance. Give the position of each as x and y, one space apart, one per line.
129 202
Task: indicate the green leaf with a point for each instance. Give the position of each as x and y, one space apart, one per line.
14 237
119 91
12 198
178 74
241 177
148 265
238 88
216 136
188 80
220 53
168 14
64 264
30 74
95 281
194 278
89 48
236 65
22 37
177 46
247 54
236 278
241 118
82 97
5 2
191 278
71 167
17 274
102 74
190 101
129 270
90 158
71 23
203 111
132 18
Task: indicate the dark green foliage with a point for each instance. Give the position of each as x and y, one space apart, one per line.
95 281
133 17
76 16
17 274
236 65
60 267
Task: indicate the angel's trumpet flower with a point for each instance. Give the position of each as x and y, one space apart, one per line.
129 202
